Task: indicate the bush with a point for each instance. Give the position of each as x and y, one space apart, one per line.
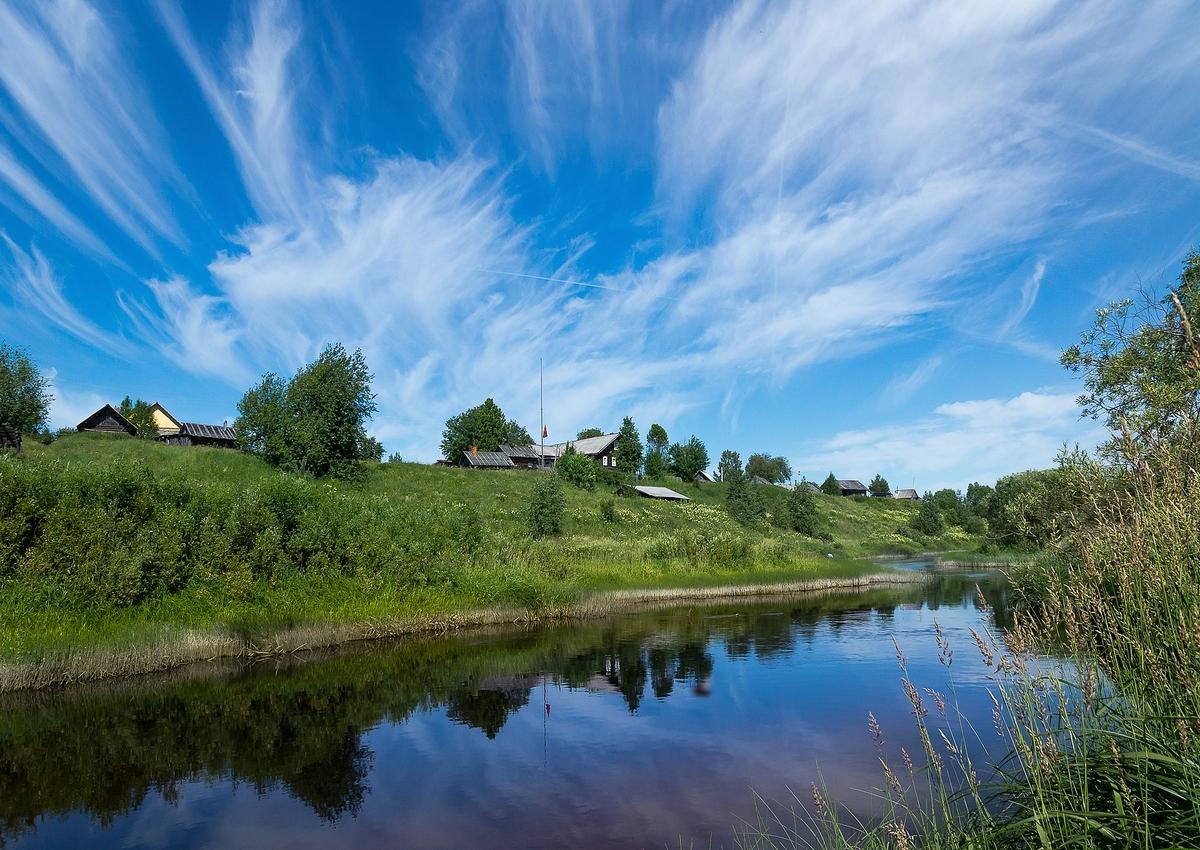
546 507
608 510
802 511
577 469
744 503
928 520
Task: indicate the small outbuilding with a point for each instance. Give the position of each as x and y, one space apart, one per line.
108 420
852 487
658 493
523 457
10 437
809 487
196 434
476 459
907 495
704 478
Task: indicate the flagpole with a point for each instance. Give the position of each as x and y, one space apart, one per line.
541 417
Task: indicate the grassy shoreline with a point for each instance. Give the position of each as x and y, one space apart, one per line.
175 647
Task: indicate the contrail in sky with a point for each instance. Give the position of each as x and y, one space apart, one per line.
551 279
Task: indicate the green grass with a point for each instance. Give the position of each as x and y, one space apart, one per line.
112 543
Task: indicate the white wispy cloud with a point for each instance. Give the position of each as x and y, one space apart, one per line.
81 105
69 406
961 442
31 190
903 386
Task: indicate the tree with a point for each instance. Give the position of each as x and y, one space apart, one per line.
774 469
546 507
729 467
744 503
928 520
977 498
688 459
141 416
655 463
589 432
484 427
24 392
656 438
576 469
879 486
629 447
830 486
1141 366
802 508
316 422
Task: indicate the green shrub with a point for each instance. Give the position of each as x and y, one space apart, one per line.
546 507
928 520
576 469
802 511
608 510
744 503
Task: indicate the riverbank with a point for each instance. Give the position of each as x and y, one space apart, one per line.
176 647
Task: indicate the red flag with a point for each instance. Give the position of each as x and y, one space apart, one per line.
545 432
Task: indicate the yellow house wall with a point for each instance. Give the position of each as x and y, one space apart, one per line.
164 423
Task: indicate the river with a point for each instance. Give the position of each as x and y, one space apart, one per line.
646 729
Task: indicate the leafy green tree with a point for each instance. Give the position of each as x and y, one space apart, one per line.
774 469
745 503
656 438
485 427
1030 508
688 459
629 447
589 432
1141 365
830 486
24 392
928 520
316 423
655 463
802 510
879 486
977 498
141 416
729 467
546 507
576 469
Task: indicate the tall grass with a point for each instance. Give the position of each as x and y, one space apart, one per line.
1096 694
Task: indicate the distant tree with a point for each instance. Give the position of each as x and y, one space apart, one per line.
485 427
802 510
394 457
744 503
316 423
656 438
830 486
774 469
655 463
546 507
629 447
24 392
729 467
577 469
589 432
879 486
688 459
141 416
928 520
977 498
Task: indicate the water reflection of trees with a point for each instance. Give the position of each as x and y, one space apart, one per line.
103 751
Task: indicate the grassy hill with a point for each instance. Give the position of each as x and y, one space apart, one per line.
113 542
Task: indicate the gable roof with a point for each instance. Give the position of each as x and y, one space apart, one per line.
488 460
906 494
586 446
851 484
758 479
207 432
809 486
107 412
520 451
161 415
704 476
661 493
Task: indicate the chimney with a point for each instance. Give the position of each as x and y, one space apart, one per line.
474 451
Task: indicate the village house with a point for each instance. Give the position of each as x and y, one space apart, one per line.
196 434
810 487
475 459
852 487
107 420
602 449
907 495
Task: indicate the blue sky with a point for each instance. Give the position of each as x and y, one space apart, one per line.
856 234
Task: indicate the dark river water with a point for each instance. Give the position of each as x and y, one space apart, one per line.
644 730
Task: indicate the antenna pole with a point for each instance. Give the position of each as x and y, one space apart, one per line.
541 417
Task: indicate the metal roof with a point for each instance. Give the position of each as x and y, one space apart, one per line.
809 486
207 432
661 493
586 446
906 494
520 451
491 460
758 479
851 484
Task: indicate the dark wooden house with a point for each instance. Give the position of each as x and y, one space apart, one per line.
602 449
108 420
852 487
10 437
523 457
907 495
196 434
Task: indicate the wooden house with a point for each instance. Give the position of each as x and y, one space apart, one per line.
108 420
704 478
10 437
164 421
196 434
602 449
810 487
523 457
852 487
476 459
907 495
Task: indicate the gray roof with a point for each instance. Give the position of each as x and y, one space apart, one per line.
851 484
587 446
906 494
661 493
207 432
758 479
520 451
809 486
490 460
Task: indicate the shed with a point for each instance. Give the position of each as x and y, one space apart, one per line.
476 459
108 420
196 434
852 487
10 437
704 477
659 493
907 495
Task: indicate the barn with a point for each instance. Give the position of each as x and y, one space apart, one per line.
107 420
852 487
196 434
